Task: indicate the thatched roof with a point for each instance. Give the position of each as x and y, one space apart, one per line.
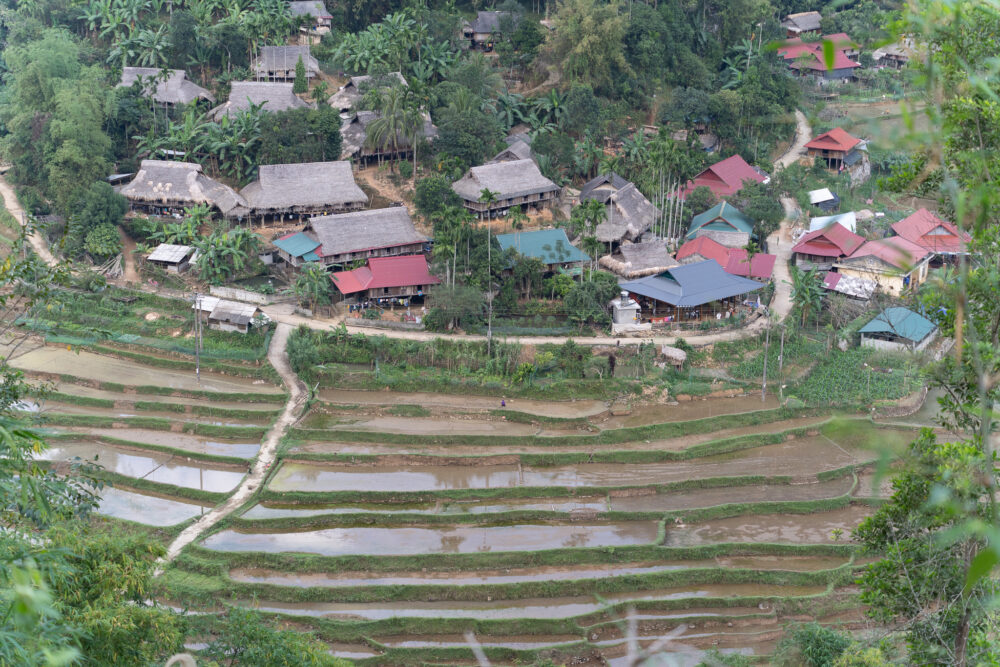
275 96
355 132
176 89
487 21
629 214
518 149
674 355
351 92
180 184
280 61
635 260
304 186
363 230
313 8
507 179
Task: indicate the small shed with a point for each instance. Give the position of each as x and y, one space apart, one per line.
278 63
675 356
898 329
624 310
824 199
225 315
173 258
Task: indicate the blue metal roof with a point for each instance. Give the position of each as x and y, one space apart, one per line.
692 284
298 245
900 322
549 245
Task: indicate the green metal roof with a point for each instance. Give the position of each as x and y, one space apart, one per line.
549 245
711 219
901 322
298 245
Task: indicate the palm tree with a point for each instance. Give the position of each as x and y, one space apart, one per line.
488 197
399 119
807 292
592 246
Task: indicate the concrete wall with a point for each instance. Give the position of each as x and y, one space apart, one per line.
237 294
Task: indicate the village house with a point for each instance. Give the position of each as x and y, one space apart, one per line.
357 148
386 278
853 287
518 148
701 248
517 183
168 87
894 264
551 246
273 96
479 33
350 94
796 24
303 189
898 329
836 148
758 267
691 293
278 63
826 246
318 18
807 58
161 187
726 177
824 199
944 239
343 238
848 220
723 223
894 56
635 260
172 258
224 315
628 214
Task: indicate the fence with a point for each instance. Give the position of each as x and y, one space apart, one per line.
383 324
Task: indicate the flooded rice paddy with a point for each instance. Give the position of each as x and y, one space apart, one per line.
195 444
462 402
435 540
150 510
452 507
805 456
150 466
814 528
541 608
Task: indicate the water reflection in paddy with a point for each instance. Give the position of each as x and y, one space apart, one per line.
451 539
150 510
598 504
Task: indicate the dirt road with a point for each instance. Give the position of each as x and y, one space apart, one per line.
297 394
35 239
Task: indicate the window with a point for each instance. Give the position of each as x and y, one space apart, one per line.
385 290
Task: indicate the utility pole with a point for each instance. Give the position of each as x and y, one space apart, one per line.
781 364
489 290
767 344
197 337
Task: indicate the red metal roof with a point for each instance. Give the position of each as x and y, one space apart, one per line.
760 267
895 251
724 178
705 247
831 279
792 49
832 241
404 271
932 233
836 139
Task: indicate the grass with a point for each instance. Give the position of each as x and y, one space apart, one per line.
859 376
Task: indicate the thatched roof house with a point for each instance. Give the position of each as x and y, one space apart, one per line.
355 136
513 183
166 86
518 148
308 188
351 92
343 238
163 187
322 17
278 63
275 96
629 214
635 260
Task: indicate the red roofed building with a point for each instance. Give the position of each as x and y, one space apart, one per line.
932 233
836 147
807 57
386 278
700 249
822 248
895 264
760 267
726 178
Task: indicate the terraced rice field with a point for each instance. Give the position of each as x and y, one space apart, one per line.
391 524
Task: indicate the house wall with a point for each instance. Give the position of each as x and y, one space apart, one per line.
170 267
389 292
728 239
391 251
900 345
226 326
890 283
536 199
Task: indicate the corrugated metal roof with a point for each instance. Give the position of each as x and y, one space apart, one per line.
900 322
760 267
833 240
848 220
931 232
837 139
705 247
725 177
172 254
692 285
895 250
723 211
549 245
404 271
297 244
820 196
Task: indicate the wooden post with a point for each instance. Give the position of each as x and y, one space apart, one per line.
763 386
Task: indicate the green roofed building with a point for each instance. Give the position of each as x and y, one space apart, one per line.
549 245
723 223
898 329
297 248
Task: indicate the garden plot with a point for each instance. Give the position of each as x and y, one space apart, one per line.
437 540
149 466
693 409
465 403
799 457
538 609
